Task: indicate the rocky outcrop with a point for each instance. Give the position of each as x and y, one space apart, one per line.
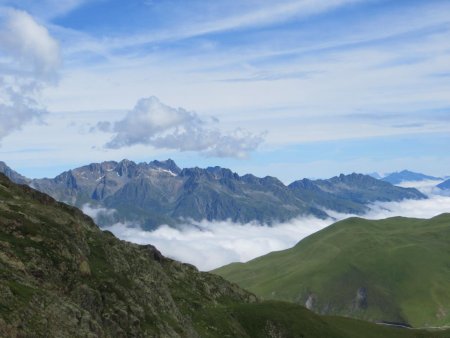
360 302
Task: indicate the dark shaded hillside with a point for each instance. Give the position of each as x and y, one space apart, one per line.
394 270
159 192
60 276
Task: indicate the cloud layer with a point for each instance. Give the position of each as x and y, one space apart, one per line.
29 59
209 245
156 124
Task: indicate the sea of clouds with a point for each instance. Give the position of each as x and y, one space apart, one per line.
209 245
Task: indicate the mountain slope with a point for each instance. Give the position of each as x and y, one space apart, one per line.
407 176
61 276
394 270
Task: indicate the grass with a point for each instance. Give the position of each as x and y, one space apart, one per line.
404 264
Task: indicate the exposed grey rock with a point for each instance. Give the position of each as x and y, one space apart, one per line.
361 299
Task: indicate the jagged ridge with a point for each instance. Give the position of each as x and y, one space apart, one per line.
159 192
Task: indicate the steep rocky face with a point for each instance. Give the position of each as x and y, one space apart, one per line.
159 192
218 194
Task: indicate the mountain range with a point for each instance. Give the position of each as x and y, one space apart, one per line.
61 276
392 270
159 192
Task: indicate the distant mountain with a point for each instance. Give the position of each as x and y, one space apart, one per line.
444 185
407 176
63 277
393 270
160 192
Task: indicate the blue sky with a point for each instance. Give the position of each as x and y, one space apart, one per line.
288 88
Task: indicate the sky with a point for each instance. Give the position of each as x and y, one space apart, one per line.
292 89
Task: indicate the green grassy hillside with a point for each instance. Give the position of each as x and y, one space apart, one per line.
395 270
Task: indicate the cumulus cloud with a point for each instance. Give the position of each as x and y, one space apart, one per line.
29 59
209 245
29 42
153 123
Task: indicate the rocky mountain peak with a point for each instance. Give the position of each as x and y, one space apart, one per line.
168 164
353 177
220 173
270 180
305 183
126 168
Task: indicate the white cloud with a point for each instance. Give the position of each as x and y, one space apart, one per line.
46 8
351 63
154 123
357 68
209 245
96 212
29 59
29 43
436 203
278 12
428 187
428 208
